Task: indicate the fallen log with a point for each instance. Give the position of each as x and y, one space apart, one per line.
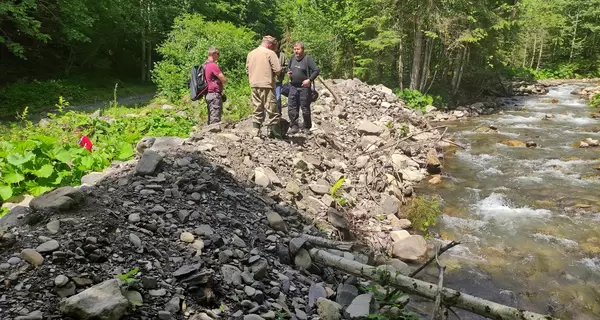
450 297
322 242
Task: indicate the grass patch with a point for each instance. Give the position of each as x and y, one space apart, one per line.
423 212
41 95
595 101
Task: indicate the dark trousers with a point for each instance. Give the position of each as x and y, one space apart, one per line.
299 98
214 102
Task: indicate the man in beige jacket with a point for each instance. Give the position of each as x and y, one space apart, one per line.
262 67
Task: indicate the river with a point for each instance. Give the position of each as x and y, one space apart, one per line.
528 218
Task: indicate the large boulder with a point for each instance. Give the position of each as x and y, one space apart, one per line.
103 301
60 199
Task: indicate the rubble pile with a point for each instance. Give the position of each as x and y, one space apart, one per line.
216 226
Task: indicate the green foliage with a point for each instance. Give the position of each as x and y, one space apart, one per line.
418 101
38 95
389 297
595 101
127 278
36 159
423 212
3 211
187 45
337 195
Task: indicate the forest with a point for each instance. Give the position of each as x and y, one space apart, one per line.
447 48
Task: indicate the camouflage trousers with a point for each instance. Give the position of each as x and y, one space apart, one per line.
214 103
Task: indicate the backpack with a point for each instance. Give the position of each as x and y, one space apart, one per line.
198 82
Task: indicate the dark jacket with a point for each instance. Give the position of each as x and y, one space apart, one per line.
302 69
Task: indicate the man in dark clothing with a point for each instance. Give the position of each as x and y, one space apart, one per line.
216 80
302 72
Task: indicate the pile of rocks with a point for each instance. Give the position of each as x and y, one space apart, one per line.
587 92
213 226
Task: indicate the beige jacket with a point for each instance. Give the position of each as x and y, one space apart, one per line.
262 67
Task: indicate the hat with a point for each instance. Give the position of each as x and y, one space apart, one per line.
270 39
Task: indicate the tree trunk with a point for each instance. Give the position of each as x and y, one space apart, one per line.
574 36
450 298
143 64
524 56
415 74
533 52
458 68
426 62
537 68
400 67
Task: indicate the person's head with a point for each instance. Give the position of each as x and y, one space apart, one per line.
213 54
299 49
269 42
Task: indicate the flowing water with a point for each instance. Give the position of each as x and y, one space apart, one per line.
528 218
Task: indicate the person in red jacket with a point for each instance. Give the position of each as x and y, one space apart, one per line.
83 141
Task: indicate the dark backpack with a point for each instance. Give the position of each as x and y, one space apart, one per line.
198 82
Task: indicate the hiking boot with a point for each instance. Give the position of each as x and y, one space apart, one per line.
306 131
293 129
255 129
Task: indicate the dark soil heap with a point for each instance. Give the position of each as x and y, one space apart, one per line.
213 224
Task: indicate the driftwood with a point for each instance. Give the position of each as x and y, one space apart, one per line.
438 308
322 242
335 96
449 297
442 250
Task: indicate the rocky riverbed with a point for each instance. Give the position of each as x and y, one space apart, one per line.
213 224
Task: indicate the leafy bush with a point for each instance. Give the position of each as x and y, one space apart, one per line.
595 102
416 100
36 159
187 45
423 213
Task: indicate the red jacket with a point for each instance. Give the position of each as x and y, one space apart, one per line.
85 142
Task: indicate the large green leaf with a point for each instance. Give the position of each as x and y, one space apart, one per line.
45 171
62 155
5 192
18 160
38 190
12 177
125 151
87 162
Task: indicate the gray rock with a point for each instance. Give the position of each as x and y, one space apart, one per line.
389 206
158 292
32 256
60 199
148 163
319 188
164 315
336 219
361 161
53 226
48 246
91 179
329 310
238 242
259 269
276 221
315 292
410 248
14 261
137 242
261 178
173 306
369 128
345 294
292 187
361 307
134 298
301 315
303 259
296 244
231 274
103 301
186 270
273 178
60 280
253 317
204 230
249 291
35 315
134 217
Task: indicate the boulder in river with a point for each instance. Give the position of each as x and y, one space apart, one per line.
514 143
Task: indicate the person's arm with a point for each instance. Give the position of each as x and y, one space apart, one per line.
275 64
219 74
315 70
